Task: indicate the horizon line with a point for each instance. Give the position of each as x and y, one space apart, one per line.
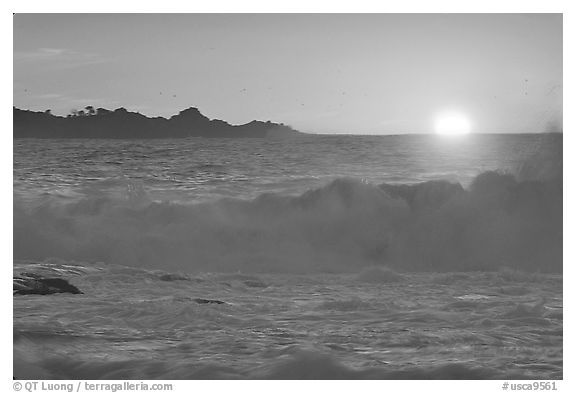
417 133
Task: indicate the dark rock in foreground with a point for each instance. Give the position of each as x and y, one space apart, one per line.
208 301
173 277
33 285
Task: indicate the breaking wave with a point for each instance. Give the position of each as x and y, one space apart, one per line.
345 226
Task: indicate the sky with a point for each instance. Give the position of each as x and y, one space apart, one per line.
320 73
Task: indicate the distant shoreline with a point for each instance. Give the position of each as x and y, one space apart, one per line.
100 123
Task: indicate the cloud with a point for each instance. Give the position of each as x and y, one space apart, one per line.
52 51
59 57
49 96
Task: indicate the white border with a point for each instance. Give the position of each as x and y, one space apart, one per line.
246 6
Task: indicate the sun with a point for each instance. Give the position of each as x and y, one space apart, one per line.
452 123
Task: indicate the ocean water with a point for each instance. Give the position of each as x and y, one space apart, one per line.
198 169
397 257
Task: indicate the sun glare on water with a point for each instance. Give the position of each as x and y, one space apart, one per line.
452 123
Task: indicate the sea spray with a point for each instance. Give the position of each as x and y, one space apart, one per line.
344 226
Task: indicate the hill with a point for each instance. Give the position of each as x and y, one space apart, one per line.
122 124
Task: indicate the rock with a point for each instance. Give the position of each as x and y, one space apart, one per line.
173 277
208 301
34 285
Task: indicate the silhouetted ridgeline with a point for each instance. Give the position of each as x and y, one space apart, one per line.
103 123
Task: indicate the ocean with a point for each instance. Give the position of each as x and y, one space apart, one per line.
315 257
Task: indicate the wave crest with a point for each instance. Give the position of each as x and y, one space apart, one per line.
345 226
